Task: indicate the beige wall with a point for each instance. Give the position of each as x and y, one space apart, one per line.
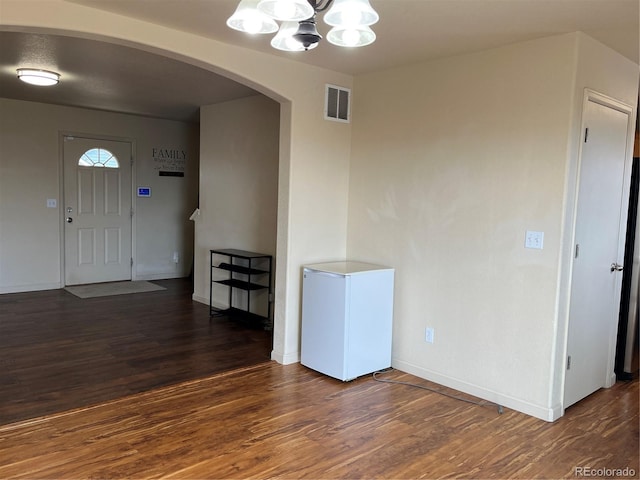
30 233
238 184
314 153
452 162
445 167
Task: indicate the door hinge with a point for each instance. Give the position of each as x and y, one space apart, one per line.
577 250
132 261
569 362
586 134
131 213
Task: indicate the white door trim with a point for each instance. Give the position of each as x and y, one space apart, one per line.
607 101
69 133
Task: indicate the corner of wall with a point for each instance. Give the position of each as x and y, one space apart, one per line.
561 325
286 358
548 414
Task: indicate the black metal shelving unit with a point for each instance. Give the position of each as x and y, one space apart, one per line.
247 271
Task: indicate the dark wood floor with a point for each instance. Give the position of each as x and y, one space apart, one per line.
126 387
59 352
288 422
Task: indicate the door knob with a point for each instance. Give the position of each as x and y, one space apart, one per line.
70 220
616 267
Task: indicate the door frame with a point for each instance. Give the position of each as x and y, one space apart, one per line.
90 136
606 101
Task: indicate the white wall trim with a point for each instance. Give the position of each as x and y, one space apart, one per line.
134 209
61 207
205 300
158 276
31 287
285 359
200 299
544 413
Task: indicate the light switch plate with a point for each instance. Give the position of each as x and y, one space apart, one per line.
534 240
428 334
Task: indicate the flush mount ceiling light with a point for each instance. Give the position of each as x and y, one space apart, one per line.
350 19
43 78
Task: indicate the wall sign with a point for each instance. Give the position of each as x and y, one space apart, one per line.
144 191
169 162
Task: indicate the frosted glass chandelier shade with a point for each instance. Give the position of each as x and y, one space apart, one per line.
247 18
350 20
344 13
41 78
289 10
351 36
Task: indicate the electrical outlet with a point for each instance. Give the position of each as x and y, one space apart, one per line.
428 335
176 257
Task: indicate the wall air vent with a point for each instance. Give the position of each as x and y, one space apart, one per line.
336 105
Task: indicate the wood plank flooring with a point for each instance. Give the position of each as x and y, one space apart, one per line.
286 422
59 352
144 386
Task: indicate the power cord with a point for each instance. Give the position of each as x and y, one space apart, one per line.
434 390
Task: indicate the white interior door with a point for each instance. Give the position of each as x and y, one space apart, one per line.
97 210
599 251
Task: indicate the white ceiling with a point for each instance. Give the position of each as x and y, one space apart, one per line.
119 78
111 77
411 30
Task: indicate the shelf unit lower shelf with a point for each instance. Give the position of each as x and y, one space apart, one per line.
242 316
245 271
234 283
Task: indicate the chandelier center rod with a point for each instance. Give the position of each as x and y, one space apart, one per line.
320 6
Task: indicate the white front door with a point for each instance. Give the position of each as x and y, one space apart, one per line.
599 250
97 210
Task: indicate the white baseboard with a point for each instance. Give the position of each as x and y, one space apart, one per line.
158 276
30 288
285 359
200 299
543 413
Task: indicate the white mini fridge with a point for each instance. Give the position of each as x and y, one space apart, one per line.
347 318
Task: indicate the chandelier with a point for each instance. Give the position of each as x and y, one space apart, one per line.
350 21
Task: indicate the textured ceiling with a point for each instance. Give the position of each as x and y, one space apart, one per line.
411 30
111 77
118 78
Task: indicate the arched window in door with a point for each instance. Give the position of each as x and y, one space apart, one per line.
98 157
